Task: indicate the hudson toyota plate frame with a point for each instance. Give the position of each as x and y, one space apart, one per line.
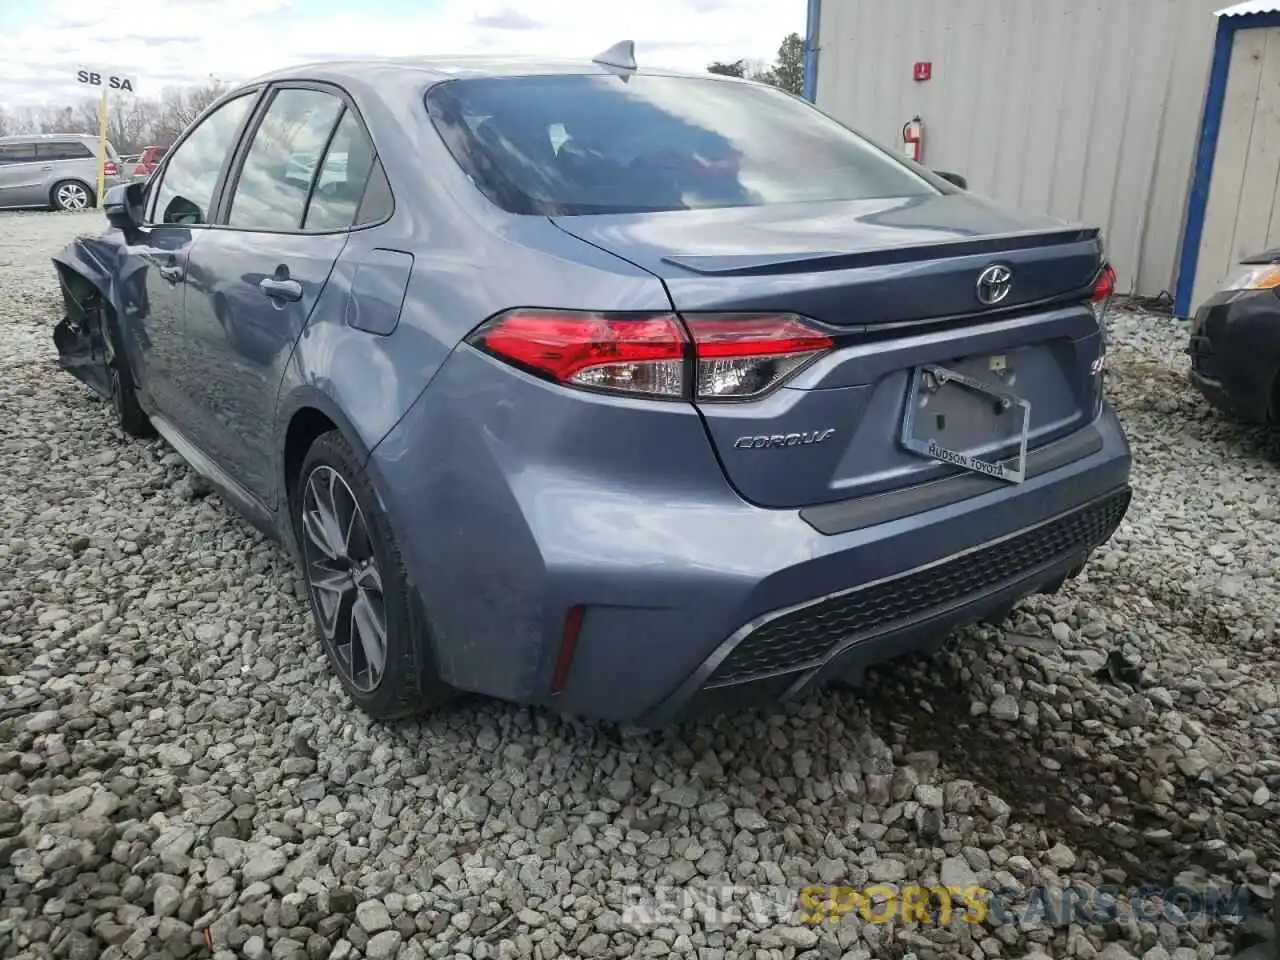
932 378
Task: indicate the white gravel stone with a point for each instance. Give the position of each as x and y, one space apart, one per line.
175 759
373 916
1005 708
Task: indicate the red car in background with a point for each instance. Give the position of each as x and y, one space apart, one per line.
151 157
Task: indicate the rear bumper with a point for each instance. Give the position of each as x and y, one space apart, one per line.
786 652
506 521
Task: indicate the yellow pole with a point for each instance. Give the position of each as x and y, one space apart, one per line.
102 147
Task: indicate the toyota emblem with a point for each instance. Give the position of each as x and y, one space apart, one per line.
994 284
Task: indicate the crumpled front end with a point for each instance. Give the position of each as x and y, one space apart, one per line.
91 279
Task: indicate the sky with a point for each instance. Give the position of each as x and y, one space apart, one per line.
160 43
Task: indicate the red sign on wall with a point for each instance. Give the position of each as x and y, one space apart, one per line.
923 70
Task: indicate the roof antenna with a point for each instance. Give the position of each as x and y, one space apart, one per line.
622 55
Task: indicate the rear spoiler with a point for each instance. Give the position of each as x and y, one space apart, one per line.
746 265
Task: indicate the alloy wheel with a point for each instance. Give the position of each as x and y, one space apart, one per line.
72 196
344 579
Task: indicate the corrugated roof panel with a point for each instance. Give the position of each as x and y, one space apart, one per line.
1249 6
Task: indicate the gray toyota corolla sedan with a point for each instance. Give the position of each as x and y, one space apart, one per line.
613 390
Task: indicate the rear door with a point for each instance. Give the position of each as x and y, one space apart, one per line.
66 160
260 274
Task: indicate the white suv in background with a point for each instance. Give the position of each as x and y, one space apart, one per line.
54 170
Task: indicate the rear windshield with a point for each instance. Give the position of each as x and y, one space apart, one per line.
565 145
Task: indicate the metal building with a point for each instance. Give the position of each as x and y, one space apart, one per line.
1082 109
1234 206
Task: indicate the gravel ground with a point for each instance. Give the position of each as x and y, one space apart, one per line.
179 776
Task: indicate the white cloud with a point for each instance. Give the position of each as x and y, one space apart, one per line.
166 42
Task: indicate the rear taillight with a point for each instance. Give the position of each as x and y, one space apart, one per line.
109 168
743 355
1104 289
663 356
621 353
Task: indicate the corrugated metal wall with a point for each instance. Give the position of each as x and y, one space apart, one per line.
1082 109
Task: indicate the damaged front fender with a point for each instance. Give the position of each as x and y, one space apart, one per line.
102 287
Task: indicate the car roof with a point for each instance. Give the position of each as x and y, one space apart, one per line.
456 67
28 137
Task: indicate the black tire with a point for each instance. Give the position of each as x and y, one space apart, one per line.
128 412
407 682
72 195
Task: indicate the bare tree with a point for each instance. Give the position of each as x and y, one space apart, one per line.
178 107
133 122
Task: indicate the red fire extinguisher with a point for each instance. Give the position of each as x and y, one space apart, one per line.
913 138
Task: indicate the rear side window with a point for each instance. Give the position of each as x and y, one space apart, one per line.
275 181
563 145
342 178
64 150
17 152
377 203
185 193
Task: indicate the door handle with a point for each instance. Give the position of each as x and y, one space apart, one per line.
45 169
278 289
172 274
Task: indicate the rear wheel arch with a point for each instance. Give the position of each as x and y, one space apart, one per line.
412 682
306 425
302 411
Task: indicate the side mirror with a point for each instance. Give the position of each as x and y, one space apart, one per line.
953 178
124 206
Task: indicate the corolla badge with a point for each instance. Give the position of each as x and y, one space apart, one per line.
775 440
994 284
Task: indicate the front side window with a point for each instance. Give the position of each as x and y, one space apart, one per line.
563 145
185 193
275 182
17 152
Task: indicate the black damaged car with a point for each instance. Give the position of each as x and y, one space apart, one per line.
1235 342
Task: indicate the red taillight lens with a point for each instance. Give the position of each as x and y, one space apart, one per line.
1103 290
626 353
1105 286
734 356
109 168
744 355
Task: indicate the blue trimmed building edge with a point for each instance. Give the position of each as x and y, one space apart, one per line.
1206 152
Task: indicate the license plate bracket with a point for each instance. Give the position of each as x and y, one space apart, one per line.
937 393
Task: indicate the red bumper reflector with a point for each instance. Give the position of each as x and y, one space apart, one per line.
568 645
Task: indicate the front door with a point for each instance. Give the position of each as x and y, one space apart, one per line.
152 301
180 204
285 225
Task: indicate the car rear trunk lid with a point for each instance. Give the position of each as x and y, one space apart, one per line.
895 282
